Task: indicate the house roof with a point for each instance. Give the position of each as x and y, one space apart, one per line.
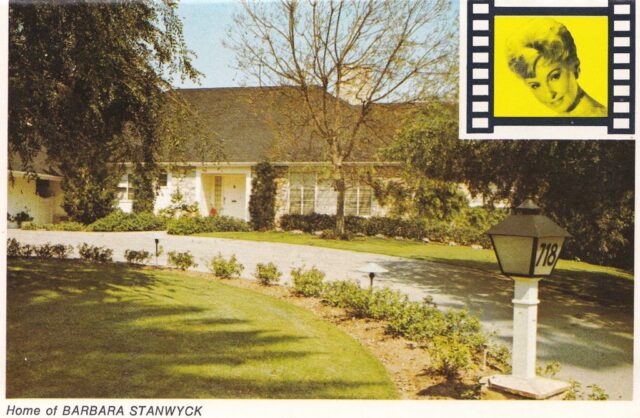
257 123
260 123
40 165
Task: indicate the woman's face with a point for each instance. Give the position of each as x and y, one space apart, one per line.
554 85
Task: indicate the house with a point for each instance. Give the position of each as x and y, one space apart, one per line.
40 196
248 125
255 124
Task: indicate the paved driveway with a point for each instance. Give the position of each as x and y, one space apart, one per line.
585 324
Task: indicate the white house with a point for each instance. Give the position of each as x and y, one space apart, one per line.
40 197
249 125
252 124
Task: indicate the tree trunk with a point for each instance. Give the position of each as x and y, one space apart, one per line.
340 186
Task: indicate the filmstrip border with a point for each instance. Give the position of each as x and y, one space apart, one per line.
480 66
480 73
622 38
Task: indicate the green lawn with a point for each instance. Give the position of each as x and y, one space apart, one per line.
110 331
458 255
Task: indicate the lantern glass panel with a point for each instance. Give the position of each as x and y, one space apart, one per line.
547 254
514 253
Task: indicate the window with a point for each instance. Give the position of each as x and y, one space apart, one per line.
357 201
163 179
43 188
302 193
125 191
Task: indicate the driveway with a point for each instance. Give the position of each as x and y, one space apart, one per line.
584 323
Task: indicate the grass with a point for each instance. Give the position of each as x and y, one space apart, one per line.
77 330
457 255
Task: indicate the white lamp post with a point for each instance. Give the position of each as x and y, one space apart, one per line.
527 245
372 269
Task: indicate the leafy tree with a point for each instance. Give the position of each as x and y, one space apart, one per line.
362 52
87 82
586 186
262 204
89 192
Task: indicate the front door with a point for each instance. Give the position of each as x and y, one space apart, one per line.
233 195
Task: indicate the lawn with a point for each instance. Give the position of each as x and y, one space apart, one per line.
112 331
457 255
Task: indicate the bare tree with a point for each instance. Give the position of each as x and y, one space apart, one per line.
344 57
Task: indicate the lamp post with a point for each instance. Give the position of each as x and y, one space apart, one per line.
527 246
372 269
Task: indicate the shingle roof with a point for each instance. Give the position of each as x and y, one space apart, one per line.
254 123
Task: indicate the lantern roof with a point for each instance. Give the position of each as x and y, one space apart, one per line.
528 222
372 268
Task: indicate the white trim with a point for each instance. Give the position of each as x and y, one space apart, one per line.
41 176
198 192
247 196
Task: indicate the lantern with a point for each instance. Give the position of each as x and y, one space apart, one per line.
527 243
527 246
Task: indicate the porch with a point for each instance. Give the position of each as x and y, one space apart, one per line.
224 192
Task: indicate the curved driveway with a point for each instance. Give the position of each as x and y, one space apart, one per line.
585 324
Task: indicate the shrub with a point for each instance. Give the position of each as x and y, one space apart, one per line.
13 248
61 250
501 356
182 260
44 251
450 356
467 328
307 223
198 224
94 253
27 250
267 274
65 226
223 268
137 257
461 230
308 283
20 218
418 322
119 221
339 293
386 303
178 207
262 204
575 392
28 226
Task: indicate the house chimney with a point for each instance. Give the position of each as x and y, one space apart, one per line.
356 84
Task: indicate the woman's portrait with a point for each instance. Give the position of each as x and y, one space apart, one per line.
543 56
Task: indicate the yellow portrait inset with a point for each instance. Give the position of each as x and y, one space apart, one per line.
550 66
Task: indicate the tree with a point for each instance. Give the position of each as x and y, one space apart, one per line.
585 186
87 81
262 205
366 52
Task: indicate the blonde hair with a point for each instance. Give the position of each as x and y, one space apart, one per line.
543 38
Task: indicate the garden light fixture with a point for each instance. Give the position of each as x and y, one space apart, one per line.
157 241
372 269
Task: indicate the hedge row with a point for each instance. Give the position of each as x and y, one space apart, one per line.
119 221
198 224
454 339
391 227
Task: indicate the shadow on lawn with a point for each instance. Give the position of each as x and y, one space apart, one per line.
585 318
80 331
